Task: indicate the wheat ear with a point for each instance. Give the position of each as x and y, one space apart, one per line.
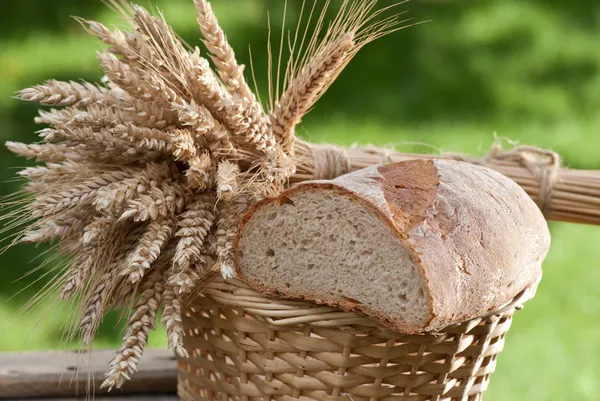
256 130
222 53
57 93
194 227
173 322
316 63
311 83
46 152
143 319
150 246
96 307
228 176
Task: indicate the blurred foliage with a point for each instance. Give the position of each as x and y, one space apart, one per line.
528 70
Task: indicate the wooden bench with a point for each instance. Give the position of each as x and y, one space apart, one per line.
54 376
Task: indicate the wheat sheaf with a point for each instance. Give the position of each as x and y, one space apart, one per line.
142 179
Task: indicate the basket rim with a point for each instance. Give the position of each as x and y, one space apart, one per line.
281 312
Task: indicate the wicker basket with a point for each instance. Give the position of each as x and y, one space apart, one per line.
244 346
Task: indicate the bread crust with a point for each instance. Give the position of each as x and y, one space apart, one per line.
476 237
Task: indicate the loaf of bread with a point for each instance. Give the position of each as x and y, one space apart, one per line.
417 245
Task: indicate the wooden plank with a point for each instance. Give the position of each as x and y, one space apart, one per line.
167 397
164 397
66 374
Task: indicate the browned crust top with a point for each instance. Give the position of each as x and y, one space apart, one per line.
409 188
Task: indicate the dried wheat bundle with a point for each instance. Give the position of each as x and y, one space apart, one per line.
562 194
142 180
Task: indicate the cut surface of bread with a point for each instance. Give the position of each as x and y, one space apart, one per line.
332 245
417 245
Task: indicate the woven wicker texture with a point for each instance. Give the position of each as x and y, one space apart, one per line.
245 346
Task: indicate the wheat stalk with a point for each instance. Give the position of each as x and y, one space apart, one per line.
574 196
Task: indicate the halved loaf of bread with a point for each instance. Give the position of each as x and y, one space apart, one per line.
417 245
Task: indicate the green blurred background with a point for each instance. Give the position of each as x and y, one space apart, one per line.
527 70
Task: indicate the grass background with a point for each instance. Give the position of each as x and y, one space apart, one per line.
527 70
